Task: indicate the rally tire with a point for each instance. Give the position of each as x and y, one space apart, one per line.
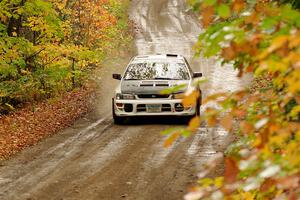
117 120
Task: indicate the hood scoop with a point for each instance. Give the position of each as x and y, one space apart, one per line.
154 84
146 86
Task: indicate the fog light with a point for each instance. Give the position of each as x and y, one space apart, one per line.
128 107
179 107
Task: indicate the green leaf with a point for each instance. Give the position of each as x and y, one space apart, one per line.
268 23
210 2
185 133
224 11
10 107
173 89
200 81
169 131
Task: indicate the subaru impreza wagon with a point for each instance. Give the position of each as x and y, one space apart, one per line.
139 91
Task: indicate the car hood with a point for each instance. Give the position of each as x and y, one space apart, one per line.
151 87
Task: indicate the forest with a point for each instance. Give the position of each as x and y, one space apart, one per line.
50 47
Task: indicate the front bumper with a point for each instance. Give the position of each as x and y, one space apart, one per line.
138 107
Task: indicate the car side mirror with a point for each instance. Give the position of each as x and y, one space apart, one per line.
197 74
117 76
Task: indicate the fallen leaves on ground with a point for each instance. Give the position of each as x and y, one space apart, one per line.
29 125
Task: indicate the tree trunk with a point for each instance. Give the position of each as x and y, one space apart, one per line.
15 24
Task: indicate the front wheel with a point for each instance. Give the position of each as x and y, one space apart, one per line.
117 119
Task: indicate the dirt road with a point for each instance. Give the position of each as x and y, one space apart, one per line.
95 159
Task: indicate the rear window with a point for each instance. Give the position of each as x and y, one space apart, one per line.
157 70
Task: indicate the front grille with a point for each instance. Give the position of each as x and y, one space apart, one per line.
164 108
153 96
141 108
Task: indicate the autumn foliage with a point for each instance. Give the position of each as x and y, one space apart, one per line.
260 38
50 46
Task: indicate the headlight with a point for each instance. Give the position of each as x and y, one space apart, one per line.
178 96
125 96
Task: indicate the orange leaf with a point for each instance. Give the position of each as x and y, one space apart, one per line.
246 127
213 97
191 99
227 122
231 170
250 68
229 53
288 182
239 113
263 137
238 5
239 95
212 121
273 128
194 123
267 185
171 139
207 13
252 19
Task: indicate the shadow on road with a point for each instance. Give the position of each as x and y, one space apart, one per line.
157 120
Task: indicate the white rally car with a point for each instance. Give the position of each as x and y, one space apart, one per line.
139 91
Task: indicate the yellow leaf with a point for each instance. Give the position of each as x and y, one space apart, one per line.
248 196
257 141
276 44
295 111
219 181
294 82
295 42
293 58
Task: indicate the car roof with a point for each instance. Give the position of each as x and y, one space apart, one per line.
140 58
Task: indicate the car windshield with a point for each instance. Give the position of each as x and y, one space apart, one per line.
157 71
